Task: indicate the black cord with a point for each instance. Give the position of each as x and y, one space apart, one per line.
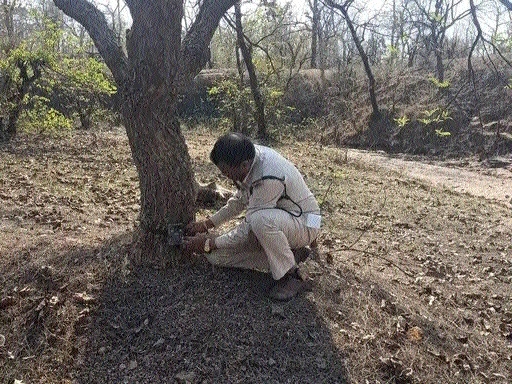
283 196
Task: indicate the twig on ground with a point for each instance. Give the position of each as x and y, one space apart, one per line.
370 225
364 251
350 247
326 193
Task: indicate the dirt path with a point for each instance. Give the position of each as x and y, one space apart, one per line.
490 183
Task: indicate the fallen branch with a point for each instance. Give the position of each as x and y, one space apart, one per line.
350 248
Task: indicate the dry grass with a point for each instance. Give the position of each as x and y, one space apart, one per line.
412 283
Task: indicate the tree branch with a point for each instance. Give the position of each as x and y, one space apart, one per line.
195 51
104 38
507 4
362 54
132 5
476 22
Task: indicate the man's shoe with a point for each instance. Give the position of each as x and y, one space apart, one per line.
288 287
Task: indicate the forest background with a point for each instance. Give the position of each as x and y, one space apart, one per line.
432 67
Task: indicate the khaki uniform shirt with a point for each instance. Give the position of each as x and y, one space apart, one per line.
258 192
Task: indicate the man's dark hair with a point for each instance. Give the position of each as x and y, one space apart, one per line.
232 149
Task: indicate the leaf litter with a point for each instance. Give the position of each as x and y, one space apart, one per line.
412 281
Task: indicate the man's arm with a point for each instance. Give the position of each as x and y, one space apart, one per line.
265 195
234 207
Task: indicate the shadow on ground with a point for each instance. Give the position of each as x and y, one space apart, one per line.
196 324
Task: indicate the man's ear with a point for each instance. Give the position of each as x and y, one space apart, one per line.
246 164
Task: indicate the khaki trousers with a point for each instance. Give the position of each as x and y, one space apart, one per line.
273 234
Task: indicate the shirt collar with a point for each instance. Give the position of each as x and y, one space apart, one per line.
249 178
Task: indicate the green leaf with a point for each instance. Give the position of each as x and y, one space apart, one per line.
439 84
441 133
402 121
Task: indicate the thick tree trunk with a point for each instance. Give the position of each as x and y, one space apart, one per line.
158 64
166 179
158 147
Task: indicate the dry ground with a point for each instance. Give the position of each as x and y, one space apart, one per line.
412 284
461 175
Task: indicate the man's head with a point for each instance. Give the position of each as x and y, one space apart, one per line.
233 154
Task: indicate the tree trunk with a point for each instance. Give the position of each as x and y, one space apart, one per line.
439 65
8 125
394 38
12 122
259 112
315 22
166 179
507 4
8 16
159 63
167 193
362 54
239 113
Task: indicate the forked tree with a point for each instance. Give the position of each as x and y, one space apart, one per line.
160 61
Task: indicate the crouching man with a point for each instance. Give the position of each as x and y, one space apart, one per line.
281 215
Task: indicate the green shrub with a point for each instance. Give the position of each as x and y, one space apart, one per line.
43 119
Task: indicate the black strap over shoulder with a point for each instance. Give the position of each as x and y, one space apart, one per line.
267 177
270 177
283 196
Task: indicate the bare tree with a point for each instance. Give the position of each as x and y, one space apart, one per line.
329 43
117 22
343 8
160 62
7 9
315 31
479 35
410 41
395 25
435 18
401 42
259 111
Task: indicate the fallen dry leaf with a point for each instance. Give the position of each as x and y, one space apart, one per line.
83 298
415 334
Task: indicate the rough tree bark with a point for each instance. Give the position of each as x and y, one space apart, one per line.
315 22
9 122
8 19
158 65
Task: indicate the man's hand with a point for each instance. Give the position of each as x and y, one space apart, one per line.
198 227
193 244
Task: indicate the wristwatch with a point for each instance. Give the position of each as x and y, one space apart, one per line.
207 247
